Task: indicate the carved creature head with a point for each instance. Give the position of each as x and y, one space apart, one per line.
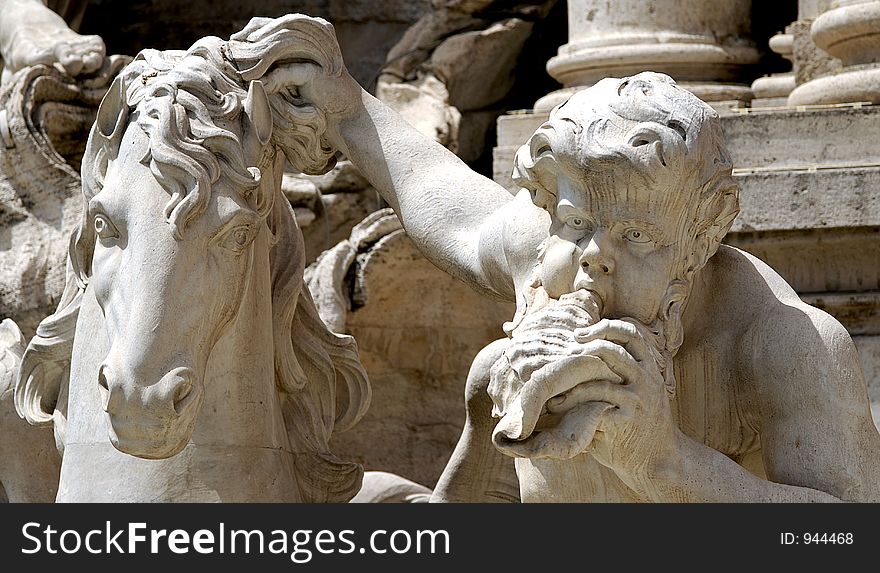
637 180
180 180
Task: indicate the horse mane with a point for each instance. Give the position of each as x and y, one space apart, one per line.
185 102
311 364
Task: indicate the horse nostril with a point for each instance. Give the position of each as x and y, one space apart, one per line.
105 388
183 394
102 379
605 268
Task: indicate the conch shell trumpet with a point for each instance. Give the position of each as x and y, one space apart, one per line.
536 419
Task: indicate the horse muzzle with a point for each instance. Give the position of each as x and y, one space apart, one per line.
152 421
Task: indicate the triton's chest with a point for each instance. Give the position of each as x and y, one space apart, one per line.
713 403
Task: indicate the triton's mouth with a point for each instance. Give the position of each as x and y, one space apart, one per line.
589 285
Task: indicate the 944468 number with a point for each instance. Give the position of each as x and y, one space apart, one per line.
828 538
806 538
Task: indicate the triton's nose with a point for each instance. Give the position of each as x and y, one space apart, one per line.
595 257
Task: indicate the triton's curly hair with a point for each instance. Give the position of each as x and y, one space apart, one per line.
646 126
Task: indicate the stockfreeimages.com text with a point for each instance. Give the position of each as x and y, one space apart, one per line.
301 544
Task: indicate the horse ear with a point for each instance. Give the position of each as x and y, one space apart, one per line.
256 106
113 110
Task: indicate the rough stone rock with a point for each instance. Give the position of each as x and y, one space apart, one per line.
478 66
44 118
418 330
328 206
424 103
471 49
366 30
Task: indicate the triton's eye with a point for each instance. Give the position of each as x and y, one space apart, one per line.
104 228
637 236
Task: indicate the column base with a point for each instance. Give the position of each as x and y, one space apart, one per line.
850 32
774 86
695 60
853 84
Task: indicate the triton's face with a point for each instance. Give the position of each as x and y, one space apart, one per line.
622 247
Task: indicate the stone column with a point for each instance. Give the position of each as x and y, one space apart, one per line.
848 30
774 89
703 45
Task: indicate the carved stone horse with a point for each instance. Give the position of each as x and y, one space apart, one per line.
186 360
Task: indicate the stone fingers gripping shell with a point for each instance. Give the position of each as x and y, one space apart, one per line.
570 437
540 386
553 380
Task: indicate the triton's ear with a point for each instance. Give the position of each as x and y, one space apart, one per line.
701 252
259 114
113 112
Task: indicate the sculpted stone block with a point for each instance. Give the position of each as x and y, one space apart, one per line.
45 116
695 374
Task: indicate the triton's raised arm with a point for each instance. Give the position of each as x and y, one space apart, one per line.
446 208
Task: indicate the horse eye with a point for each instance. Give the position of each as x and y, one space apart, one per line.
637 236
239 238
104 228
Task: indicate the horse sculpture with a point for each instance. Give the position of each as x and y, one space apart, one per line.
185 333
